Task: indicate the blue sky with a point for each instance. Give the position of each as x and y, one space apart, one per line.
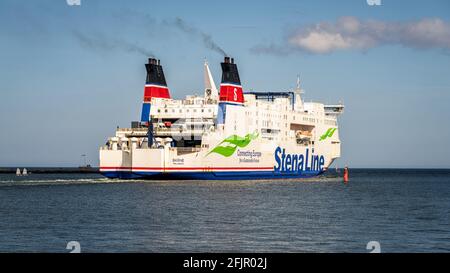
61 98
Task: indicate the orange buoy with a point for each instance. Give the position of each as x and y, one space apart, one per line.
346 175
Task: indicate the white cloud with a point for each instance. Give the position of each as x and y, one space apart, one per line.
351 33
320 41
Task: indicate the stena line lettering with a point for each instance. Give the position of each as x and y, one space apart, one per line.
297 162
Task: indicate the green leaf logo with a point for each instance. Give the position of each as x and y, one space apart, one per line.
229 145
328 133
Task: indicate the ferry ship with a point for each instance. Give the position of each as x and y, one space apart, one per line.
225 134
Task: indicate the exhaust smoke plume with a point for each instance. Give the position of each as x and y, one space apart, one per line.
101 42
190 30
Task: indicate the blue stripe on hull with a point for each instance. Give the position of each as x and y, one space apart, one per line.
121 175
208 175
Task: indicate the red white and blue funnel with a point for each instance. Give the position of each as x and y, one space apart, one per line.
230 88
155 87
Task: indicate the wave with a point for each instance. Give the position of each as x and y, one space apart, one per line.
67 181
104 180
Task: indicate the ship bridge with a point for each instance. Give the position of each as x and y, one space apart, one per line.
271 96
334 109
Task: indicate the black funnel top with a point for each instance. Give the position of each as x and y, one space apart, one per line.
230 72
155 74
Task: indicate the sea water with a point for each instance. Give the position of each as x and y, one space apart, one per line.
402 210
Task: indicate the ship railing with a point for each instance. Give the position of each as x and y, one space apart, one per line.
132 129
334 109
177 131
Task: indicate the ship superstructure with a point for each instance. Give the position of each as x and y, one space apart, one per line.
224 134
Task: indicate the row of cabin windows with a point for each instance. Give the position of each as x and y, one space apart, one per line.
181 110
269 123
309 119
265 115
286 116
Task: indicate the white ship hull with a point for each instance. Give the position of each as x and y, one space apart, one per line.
254 162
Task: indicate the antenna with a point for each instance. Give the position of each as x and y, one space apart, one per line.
298 89
298 101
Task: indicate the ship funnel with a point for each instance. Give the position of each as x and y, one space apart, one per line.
155 86
230 88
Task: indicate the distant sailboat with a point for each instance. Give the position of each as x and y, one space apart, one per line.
24 172
18 172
